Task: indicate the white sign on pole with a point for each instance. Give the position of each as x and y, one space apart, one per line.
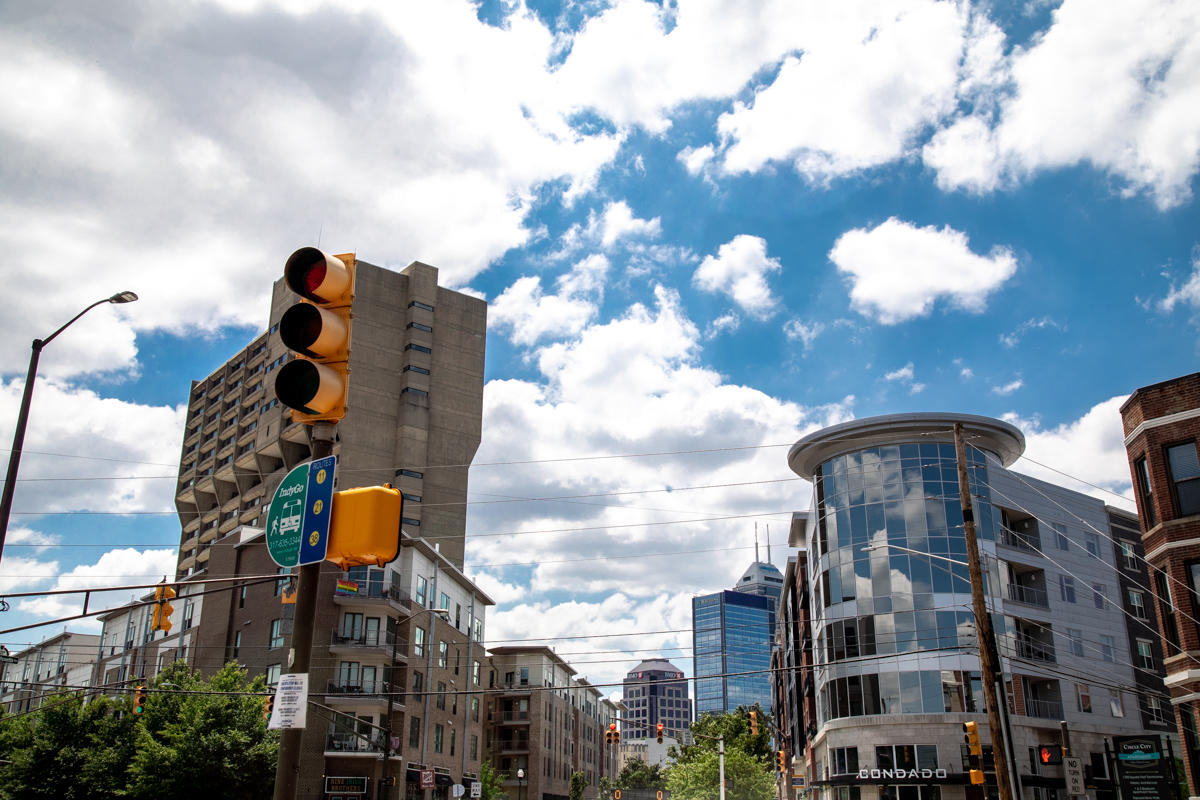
476 789
1073 768
458 790
291 702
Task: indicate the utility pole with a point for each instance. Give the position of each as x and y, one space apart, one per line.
287 772
721 763
989 656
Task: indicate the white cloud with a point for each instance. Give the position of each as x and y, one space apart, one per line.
529 315
804 332
726 323
1012 338
740 269
864 86
695 159
618 222
966 373
905 376
1186 293
1113 85
119 567
897 271
137 449
1008 388
1090 449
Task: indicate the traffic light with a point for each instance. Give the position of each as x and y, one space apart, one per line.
754 723
139 700
161 616
612 735
977 777
364 526
317 329
781 757
1049 754
268 707
658 733
971 736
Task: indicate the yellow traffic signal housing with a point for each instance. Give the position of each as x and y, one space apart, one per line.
781 756
315 383
268 707
971 734
161 616
364 526
139 700
977 777
612 735
659 733
754 723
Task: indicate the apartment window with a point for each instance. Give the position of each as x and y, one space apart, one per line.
273 671
414 732
1129 559
474 753
1165 607
1116 703
441 696
422 590
242 598
443 649
418 681
844 760
420 327
475 709
1145 654
420 348
1107 647
475 669
411 498
237 643
280 584
275 639
1183 464
1092 543
1083 698
1075 637
1145 493
418 645
411 473
1154 708
1060 535
1066 588
418 370
453 734
1137 603
445 601
1098 592
420 305
438 734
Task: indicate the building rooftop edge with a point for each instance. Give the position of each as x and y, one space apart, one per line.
996 436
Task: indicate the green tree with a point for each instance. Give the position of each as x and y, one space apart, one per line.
698 778
637 774
735 727
204 739
493 782
67 749
578 785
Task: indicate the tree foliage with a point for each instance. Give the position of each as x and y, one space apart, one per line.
637 774
749 762
735 727
492 780
578 785
202 739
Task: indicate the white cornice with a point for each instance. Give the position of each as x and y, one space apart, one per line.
1168 419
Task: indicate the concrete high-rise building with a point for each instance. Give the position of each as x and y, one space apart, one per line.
655 691
895 664
1162 428
732 634
414 415
64 660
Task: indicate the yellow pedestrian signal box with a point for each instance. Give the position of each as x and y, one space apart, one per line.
971 735
160 619
754 723
317 329
364 527
977 777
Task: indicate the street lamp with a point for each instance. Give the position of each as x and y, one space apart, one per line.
14 456
391 698
520 782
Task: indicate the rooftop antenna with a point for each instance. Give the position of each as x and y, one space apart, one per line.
755 542
768 544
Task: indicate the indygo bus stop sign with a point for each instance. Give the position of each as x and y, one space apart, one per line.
298 520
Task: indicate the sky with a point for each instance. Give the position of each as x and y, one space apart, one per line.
703 228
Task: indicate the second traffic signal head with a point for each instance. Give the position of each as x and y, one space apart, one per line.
1049 754
139 700
161 616
364 526
971 735
754 723
317 329
658 733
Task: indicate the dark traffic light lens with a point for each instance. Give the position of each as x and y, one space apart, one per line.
296 384
304 272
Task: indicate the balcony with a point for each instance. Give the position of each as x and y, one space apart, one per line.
1035 650
368 641
370 593
349 743
515 744
1028 595
1044 709
1021 541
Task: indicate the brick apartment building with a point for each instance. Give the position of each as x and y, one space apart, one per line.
1162 427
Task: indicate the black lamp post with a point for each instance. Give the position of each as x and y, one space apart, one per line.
520 782
14 456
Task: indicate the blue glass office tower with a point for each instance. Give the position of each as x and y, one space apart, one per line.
732 633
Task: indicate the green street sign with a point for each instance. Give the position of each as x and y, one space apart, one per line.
298 519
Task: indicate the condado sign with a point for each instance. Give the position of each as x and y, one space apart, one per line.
902 775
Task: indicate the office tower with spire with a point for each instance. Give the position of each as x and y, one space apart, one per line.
732 632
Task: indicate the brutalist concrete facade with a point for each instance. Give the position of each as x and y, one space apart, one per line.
414 415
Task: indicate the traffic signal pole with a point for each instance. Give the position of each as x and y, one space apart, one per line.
287 771
989 656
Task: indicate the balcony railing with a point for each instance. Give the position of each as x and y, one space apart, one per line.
371 591
1044 709
1028 595
351 743
365 688
377 640
514 716
1021 541
1035 650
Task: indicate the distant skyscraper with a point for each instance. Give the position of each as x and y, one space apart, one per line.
656 691
732 633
